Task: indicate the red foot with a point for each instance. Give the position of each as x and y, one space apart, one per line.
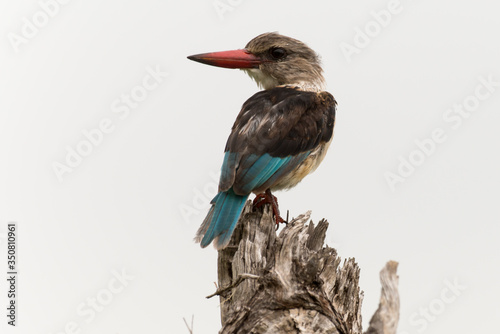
268 198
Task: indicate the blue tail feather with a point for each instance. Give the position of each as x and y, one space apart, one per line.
223 216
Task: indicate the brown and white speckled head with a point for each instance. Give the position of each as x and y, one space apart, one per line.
272 60
287 62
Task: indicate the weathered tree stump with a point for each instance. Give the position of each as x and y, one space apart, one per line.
290 283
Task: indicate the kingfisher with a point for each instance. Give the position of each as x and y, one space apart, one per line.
281 134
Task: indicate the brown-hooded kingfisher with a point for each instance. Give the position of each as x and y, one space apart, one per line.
281 134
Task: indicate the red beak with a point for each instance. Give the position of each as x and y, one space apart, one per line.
229 59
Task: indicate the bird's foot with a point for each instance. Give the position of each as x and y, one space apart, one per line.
268 198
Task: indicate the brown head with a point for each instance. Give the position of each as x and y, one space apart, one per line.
272 60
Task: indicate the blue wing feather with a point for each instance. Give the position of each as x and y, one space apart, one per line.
284 170
227 205
265 170
260 172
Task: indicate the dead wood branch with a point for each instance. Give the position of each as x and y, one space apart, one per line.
297 285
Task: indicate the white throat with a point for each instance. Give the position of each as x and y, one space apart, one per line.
267 82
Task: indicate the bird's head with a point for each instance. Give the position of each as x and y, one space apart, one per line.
272 60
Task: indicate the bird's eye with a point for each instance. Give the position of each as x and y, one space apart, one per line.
277 53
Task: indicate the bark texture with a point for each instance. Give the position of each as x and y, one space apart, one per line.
290 283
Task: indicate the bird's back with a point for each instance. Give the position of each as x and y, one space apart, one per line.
283 122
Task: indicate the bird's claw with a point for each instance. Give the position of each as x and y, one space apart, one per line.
268 198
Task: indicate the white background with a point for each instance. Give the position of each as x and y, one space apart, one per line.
135 201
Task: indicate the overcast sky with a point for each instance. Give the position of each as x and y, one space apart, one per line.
111 143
